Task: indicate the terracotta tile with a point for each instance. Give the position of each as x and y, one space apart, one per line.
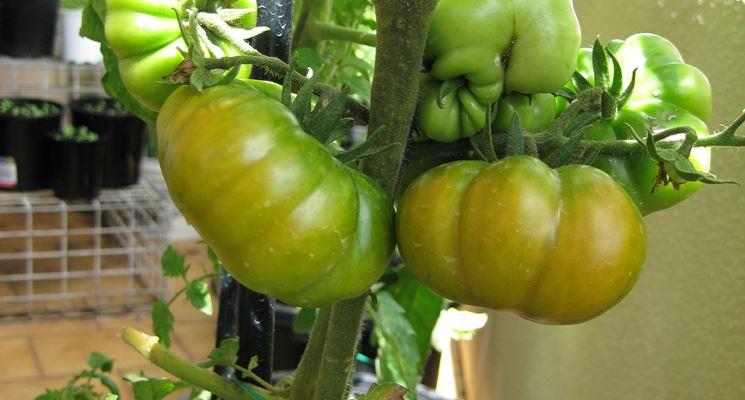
27 328
18 359
66 353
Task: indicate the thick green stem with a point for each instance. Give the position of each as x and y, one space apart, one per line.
401 35
341 346
329 31
157 354
306 376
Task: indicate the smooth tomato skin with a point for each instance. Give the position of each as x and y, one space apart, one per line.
668 93
554 246
492 47
536 112
284 217
146 38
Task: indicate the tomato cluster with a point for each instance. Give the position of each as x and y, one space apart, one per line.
287 219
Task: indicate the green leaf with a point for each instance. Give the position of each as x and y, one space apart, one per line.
147 388
109 384
198 294
398 357
301 106
173 264
92 25
216 263
422 307
580 82
51 395
303 321
617 85
110 396
247 389
384 391
626 95
162 319
225 354
308 58
98 360
327 124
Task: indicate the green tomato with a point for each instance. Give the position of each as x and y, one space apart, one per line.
284 217
485 48
146 38
668 93
555 246
536 112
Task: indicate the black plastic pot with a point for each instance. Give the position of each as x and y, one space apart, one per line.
78 168
27 27
124 137
25 148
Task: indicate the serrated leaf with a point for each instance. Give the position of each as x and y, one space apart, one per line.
303 321
422 307
398 357
198 294
385 391
225 354
173 264
301 106
162 320
100 361
326 124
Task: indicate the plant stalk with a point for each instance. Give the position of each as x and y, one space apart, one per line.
329 31
306 375
157 354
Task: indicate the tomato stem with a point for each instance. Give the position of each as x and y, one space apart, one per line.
157 354
329 31
306 375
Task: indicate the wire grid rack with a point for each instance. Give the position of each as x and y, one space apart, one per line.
61 258
69 259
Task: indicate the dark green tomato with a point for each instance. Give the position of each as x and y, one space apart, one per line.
487 48
668 93
536 112
285 217
555 246
146 38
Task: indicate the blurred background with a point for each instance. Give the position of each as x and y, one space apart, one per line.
680 333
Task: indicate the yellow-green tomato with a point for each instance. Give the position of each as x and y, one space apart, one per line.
554 246
284 217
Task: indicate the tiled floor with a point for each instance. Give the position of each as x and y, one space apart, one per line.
36 355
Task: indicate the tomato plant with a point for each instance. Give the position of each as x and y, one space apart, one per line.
477 50
556 246
285 218
146 38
